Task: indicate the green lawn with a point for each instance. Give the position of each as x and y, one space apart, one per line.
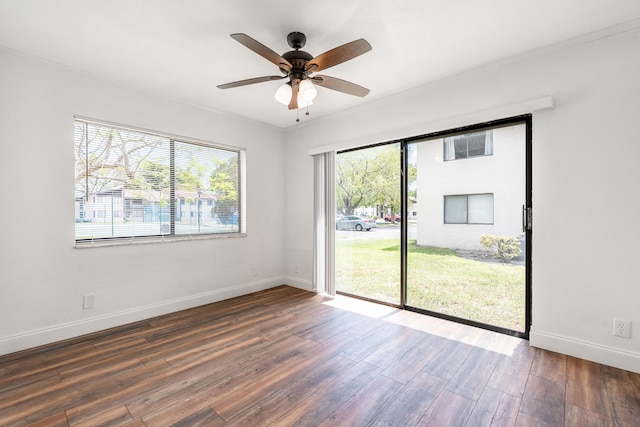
438 279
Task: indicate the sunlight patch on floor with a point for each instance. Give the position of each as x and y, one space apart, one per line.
470 335
366 308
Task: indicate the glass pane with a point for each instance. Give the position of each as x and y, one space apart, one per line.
476 143
455 209
471 265
122 182
368 247
480 208
461 147
206 189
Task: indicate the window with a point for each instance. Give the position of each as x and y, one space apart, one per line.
468 145
138 180
468 209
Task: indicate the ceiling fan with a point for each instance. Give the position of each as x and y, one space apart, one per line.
298 66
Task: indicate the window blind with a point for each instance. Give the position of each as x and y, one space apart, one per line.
138 184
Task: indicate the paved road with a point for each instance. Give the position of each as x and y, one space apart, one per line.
383 231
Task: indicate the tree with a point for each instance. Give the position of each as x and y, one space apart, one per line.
223 182
108 158
192 177
387 180
353 181
369 177
151 176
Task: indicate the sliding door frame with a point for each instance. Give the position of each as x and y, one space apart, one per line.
525 119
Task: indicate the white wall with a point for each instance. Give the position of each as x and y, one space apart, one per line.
43 278
501 174
586 239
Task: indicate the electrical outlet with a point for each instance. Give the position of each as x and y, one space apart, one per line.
295 268
622 328
87 302
254 271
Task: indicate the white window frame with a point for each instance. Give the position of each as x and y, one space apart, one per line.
171 235
467 197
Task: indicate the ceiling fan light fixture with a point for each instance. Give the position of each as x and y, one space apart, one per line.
303 103
308 90
283 94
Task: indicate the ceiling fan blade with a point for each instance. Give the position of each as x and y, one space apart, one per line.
294 97
250 81
262 50
340 85
338 55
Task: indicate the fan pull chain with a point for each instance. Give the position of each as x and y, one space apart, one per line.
297 115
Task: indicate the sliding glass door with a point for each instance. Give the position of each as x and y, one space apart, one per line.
440 224
467 259
367 244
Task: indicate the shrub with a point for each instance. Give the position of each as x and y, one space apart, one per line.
502 248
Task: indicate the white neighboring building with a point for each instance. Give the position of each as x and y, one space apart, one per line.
470 185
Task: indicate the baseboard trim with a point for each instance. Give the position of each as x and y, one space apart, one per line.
606 355
38 337
296 282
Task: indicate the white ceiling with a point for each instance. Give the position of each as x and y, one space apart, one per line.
182 48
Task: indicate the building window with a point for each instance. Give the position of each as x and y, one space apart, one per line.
468 209
143 176
468 145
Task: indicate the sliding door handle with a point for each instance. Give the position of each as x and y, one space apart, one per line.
526 218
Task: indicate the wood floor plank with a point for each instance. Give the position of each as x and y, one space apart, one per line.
183 411
363 347
193 378
543 403
116 390
447 362
240 399
205 417
550 365
236 391
364 405
100 368
411 402
512 372
576 416
474 373
623 400
333 325
28 391
56 420
586 386
115 417
327 399
285 356
494 408
394 348
448 410
415 359
280 400
37 409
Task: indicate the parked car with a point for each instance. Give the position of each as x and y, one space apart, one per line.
391 218
355 222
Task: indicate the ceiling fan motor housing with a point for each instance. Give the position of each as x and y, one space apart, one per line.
298 59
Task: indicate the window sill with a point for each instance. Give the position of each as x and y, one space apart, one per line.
153 240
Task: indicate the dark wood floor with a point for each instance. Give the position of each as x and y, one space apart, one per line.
288 357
